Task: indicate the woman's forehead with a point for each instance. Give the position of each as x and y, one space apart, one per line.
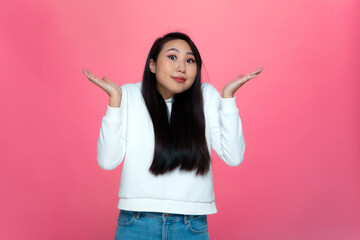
177 45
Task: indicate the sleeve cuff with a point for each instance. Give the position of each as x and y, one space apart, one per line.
113 113
228 104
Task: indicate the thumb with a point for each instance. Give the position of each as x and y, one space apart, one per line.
239 76
105 79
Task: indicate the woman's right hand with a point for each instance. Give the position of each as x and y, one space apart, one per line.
111 88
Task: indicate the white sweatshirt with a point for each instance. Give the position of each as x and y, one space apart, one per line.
128 131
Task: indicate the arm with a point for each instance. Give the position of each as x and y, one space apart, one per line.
226 129
225 126
112 139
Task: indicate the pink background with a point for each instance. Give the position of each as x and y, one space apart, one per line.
300 178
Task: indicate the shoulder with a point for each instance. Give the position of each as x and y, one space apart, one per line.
131 88
208 90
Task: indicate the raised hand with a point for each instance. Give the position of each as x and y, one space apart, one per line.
111 88
231 87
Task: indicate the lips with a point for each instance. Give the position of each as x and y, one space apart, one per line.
179 79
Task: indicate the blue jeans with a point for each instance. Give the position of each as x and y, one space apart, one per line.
133 225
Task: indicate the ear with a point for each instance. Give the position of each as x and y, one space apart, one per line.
152 66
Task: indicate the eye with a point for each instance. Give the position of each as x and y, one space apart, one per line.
190 60
172 57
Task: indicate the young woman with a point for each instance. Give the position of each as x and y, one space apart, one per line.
165 126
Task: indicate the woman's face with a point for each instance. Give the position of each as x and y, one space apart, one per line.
175 68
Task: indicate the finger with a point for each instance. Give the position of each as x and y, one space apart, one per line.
239 76
93 79
105 79
243 79
88 74
247 78
257 71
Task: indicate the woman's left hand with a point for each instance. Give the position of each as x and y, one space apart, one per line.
231 87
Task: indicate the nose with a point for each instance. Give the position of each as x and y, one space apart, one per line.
181 67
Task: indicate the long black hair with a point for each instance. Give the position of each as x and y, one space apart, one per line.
180 142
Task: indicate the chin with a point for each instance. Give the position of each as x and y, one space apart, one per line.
176 91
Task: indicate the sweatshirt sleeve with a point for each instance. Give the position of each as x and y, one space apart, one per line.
111 144
226 135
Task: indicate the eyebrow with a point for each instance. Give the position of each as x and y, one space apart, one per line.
175 49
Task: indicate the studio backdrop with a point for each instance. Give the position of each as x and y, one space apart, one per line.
301 171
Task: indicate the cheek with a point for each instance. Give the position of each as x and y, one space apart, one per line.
193 72
192 79
161 71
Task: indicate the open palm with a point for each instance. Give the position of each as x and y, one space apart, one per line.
231 87
111 88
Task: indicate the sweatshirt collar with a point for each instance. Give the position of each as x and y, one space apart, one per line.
171 99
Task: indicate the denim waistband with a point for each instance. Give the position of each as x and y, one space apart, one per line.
160 214
164 216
